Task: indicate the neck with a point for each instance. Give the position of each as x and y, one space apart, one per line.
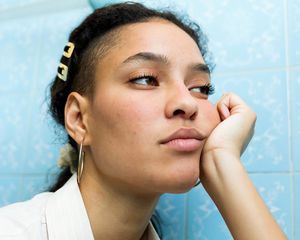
115 213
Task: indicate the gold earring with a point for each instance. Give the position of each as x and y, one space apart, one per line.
80 162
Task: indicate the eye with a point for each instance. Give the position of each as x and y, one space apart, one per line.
146 80
207 89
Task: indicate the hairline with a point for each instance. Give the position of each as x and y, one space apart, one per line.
100 46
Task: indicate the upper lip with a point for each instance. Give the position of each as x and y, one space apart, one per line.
183 133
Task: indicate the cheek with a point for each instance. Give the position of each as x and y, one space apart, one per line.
136 113
210 113
125 116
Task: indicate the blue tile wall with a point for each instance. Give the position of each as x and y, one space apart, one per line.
295 106
171 208
5 5
33 184
204 219
276 191
255 44
243 34
297 208
12 123
294 31
10 188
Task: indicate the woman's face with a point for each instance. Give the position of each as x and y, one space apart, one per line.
150 114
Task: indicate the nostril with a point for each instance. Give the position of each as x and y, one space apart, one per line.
194 115
178 112
182 113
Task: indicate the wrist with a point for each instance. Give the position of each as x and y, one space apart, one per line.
219 159
220 169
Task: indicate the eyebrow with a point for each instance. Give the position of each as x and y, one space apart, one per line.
154 57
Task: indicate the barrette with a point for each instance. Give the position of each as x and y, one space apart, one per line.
62 72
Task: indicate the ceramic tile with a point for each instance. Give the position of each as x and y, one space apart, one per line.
276 191
10 4
43 143
204 220
295 108
294 31
10 189
297 205
171 208
19 41
14 120
243 34
34 184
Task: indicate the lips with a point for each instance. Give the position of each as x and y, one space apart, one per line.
184 140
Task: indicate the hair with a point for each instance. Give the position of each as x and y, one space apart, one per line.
93 38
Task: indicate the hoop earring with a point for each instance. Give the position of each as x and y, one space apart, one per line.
80 162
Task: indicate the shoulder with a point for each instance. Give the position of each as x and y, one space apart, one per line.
23 218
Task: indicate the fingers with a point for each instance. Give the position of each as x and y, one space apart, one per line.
223 111
230 104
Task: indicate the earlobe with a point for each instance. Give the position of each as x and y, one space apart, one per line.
75 114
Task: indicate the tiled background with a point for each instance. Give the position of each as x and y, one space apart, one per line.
256 45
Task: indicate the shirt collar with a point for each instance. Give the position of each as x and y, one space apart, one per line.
66 214
67 218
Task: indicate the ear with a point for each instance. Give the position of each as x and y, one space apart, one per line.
76 117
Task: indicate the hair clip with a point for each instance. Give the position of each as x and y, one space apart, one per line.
69 52
64 68
64 72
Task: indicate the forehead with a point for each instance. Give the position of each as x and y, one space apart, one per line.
156 35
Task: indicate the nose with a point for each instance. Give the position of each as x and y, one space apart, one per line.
181 103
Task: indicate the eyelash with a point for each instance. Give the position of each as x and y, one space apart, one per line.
151 77
207 89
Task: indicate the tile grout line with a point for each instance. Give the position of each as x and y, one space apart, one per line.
288 91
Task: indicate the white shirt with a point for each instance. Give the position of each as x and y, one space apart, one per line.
51 216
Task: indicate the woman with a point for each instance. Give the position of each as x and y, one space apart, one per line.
132 94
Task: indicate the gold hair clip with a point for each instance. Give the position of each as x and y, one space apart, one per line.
69 52
64 68
64 72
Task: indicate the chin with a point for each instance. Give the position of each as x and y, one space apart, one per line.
184 182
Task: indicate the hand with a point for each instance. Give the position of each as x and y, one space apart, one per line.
226 180
234 132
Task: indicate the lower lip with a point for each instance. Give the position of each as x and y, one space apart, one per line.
184 145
